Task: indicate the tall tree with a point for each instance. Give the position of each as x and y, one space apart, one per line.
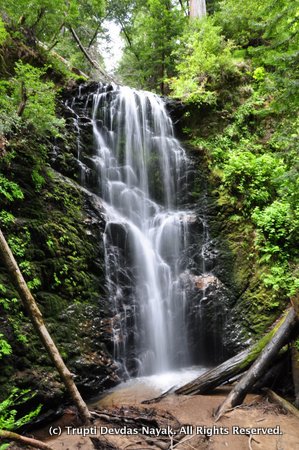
198 8
154 35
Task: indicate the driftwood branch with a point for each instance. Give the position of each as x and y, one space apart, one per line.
24 440
87 56
38 322
238 393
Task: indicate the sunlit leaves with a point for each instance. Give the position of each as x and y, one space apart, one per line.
204 60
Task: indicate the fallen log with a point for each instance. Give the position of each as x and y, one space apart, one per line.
269 351
239 363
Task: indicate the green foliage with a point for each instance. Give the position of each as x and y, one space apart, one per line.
9 120
49 21
259 74
38 95
254 158
6 218
205 61
37 179
9 189
5 348
3 32
9 418
253 178
8 413
241 21
148 58
276 220
269 32
19 242
39 109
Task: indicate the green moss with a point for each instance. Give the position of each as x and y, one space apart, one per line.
258 347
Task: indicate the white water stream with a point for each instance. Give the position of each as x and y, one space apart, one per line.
142 171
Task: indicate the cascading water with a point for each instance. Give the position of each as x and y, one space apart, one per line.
142 177
139 160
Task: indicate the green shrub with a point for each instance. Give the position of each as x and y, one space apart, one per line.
3 32
204 60
40 104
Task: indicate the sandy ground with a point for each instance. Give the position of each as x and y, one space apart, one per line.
179 412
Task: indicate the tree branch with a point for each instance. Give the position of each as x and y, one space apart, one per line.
94 36
24 440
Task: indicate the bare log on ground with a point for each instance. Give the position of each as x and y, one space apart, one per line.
40 327
282 402
230 368
24 440
216 376
238 393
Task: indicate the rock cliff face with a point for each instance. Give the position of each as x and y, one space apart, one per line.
57 239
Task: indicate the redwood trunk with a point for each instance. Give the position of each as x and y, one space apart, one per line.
198 8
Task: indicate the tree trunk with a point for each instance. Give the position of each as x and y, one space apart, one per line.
39 325
23 101
92 62
230 368
198 8
238 393
88 57
24 440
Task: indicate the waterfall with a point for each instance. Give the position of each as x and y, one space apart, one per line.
142 175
